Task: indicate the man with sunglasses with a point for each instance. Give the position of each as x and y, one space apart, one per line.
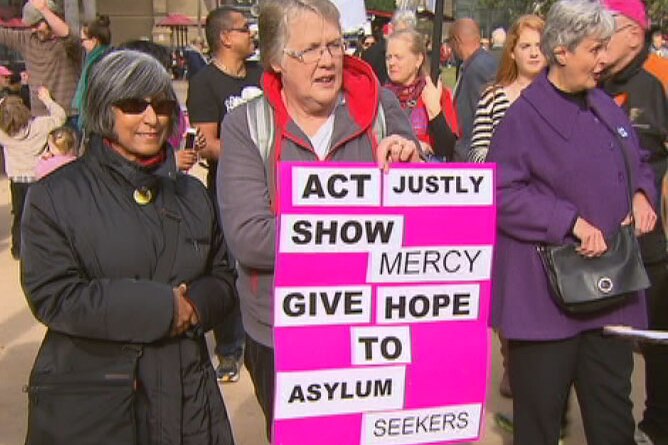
212 92
643 99
52 55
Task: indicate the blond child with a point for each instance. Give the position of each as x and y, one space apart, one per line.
23 138
62 149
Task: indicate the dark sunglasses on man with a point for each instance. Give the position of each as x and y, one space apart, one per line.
136 105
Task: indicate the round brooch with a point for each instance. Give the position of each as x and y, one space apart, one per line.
142 196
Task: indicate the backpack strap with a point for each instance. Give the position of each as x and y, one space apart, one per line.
261 125
379 124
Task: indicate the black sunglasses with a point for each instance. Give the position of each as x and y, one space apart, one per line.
135 105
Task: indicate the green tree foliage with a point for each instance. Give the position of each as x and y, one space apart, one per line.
381 5
516 8
658 11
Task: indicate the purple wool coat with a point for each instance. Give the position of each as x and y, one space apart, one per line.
556 162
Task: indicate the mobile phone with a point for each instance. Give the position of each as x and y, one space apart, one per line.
189 143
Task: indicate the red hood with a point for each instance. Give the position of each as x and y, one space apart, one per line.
360 89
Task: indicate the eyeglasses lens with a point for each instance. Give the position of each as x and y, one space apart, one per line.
163 107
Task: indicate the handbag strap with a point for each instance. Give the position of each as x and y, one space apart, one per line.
171 219
627 165
621 134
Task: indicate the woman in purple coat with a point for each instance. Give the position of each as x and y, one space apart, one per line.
562 179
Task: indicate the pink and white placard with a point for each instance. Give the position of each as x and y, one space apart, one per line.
381 302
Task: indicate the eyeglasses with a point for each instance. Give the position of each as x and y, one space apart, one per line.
245 29
135 105
313 55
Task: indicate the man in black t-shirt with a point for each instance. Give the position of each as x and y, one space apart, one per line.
212 92
216 88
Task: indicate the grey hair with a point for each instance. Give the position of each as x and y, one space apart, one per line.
571 21
404 18
416 45
122 75
499 36
274 24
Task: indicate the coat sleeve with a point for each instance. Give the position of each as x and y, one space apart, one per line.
645 180
395 118
525 211
215 295
66 300
55 119
243 196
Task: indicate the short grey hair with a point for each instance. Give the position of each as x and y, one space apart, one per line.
569 22
498 37
404 19
122 75
275 20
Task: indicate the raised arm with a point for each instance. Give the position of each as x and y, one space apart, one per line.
59 27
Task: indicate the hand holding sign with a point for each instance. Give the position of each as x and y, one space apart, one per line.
395 148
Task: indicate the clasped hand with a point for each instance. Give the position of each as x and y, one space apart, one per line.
592 242
185 316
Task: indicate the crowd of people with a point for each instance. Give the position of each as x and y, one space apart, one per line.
571 107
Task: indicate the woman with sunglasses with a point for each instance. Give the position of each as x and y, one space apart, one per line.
126 266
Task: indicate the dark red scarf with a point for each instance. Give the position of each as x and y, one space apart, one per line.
148 162
408 95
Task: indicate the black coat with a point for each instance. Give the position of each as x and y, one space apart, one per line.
89 255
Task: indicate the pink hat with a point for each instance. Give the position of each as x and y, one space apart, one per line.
4 71
633 9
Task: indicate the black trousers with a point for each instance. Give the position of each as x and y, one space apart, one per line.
18 191
230 335
541 375
259 360
655 417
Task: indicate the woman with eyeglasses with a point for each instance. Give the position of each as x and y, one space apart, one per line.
324 105
429 107
125 264
95 40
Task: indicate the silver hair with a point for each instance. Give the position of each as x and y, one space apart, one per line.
124 74
275 24
404 18
498 37
571 21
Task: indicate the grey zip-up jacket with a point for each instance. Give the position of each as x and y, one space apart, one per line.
249 222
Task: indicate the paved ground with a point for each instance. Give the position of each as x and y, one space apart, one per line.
20 336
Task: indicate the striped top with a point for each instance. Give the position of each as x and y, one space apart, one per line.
55 64
491 108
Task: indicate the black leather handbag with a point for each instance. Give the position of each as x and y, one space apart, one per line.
583 285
